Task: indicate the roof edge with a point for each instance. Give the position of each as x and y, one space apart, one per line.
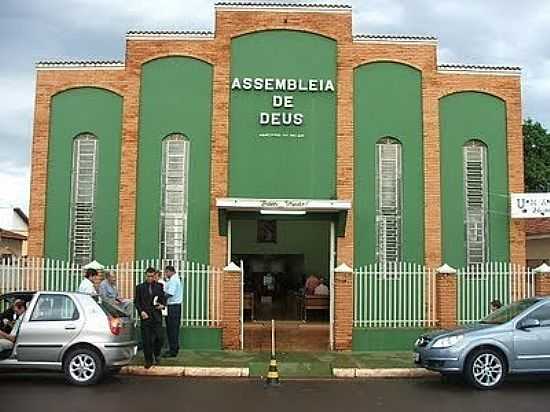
399 38
479 69
169 34
79 64
274 6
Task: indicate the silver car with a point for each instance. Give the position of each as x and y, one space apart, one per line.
513 339
83 336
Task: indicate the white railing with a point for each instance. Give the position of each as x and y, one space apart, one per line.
202 284
394 295
479 285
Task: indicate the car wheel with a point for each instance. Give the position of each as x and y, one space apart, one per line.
83 367
485 369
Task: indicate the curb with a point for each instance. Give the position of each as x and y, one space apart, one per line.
394 373
177 371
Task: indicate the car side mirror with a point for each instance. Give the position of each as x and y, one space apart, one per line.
529 323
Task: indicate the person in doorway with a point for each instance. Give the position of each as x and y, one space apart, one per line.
321 289
7 340
88 283
174 293
149 301
311 283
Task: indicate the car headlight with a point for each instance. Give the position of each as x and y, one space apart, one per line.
448 341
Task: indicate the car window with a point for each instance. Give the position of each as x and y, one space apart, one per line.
542 314
54 308
509 312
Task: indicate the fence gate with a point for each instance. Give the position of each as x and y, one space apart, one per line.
395 294
478 285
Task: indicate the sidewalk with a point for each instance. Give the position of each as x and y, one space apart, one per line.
291 365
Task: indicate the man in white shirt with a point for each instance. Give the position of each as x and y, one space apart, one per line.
87 284
8 340
322 289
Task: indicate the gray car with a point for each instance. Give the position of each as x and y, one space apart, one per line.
81 335
513 339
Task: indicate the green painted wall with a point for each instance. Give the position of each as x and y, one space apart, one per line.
311 238
285 166
385 339
176 97
466 116
388 103
73 112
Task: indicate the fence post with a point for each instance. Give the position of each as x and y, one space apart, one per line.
446 296
231 306
542 280
343 307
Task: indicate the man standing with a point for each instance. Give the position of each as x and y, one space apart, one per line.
87 284
174 294
149 300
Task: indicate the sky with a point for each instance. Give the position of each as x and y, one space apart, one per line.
499 32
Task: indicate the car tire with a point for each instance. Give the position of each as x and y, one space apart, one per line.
485 369
83 367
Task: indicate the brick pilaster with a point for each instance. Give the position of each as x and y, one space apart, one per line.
343 307
231 307
446 295
542 280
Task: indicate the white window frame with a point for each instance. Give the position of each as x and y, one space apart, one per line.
174 181
83 198
389 205
475 202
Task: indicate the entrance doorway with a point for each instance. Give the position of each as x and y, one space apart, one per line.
278 256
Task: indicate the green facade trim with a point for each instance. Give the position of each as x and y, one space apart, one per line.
176 97
196 338
76 111
385 339
465 116
283 166
388 103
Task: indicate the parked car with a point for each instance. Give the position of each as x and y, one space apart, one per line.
514 339
80 335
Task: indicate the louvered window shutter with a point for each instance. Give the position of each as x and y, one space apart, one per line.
173 215
83 193
388 190
475 189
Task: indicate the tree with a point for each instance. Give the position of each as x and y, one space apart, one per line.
536 155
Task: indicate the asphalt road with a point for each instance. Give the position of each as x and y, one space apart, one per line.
45 393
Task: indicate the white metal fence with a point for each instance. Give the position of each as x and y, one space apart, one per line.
478 285
202 284
394 295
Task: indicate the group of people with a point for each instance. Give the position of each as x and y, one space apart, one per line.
153 297
156 298
315 286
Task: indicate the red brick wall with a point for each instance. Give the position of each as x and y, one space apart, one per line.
343 310
231 310
445 296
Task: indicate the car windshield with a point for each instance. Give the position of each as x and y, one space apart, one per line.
508 312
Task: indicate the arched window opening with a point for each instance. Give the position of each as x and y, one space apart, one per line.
388 200
83 198
174 188
475 190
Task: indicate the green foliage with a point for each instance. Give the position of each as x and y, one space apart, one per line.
536 153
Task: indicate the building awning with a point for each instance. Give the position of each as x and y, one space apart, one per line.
281 208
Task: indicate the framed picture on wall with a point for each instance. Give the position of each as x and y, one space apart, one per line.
267 231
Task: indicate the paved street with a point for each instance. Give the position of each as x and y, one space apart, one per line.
46 393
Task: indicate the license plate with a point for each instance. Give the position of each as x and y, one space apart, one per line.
417 357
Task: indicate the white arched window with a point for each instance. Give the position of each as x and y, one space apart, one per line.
174 188
475 199
83 195
388 200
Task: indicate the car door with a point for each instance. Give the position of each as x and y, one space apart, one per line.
532 345
53 323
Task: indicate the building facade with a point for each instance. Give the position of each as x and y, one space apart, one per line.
281 139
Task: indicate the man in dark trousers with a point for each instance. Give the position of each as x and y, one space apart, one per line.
149 301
